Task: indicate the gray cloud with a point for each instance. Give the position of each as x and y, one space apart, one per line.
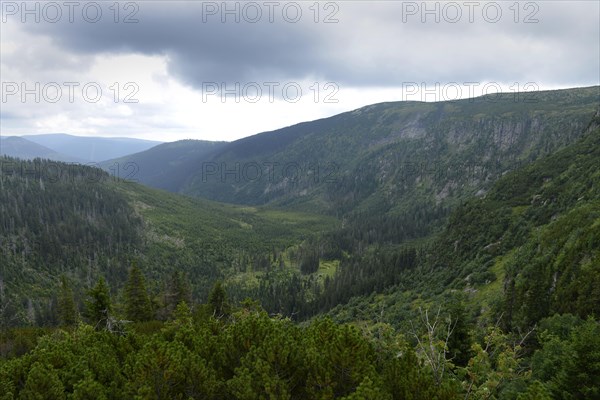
371 45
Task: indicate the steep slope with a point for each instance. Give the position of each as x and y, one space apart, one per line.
14 146
527 249
165 166
89 148
543 226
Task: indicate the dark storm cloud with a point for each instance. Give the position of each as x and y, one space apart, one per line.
372 44
199 51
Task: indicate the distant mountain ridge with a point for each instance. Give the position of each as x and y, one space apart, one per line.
16 146
89 148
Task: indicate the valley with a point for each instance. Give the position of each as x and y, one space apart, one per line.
484 212
322 200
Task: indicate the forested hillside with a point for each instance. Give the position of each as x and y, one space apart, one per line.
64 220
55 219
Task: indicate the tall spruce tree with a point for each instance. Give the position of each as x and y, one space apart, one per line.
67 310
137 302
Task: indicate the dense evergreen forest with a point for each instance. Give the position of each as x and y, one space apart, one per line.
220 351
113 290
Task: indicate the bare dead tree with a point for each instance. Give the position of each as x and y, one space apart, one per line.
433 345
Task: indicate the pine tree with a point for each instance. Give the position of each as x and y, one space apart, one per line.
137 302
67 310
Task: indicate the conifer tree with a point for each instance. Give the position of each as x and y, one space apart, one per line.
98 306
137 302
217 300
67 310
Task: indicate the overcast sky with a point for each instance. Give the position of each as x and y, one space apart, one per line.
169 70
